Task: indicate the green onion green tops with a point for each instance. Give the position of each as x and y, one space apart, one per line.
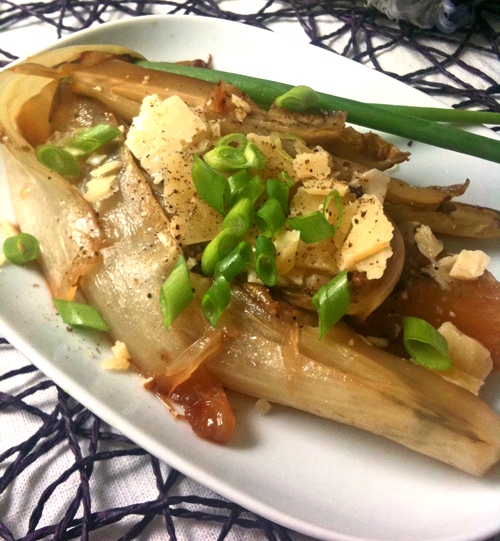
58 160
210 185
76 314
63 158
235 262
313 227
176 292
415 124
21 249
233 152
270 218
425 344
265 261
331 301
298 99
216 299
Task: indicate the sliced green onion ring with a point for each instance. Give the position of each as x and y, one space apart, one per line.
217 249
313 227
281 192
335 195
331 302
236 140
80 315
58 160
21 249
235 262
210 185
298 99
254 156
226 158
239 217
425 344
215 300
265 261
242 185
270 218
176 293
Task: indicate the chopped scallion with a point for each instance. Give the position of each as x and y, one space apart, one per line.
218 248
239 217
242 185
210 185
280 191
425 344
21 248
226 158
331 301
58 160
176 293
298 99
63 158
80 315
215 300
334 194
265 261
235 262
313 227
270 218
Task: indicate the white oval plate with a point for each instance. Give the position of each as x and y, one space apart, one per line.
317 477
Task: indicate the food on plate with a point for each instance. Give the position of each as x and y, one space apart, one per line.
225 246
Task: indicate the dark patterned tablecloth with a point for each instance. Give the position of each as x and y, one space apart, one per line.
49 431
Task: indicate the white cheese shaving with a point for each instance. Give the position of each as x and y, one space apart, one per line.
375 182
469 265
100 188
366 247
164 127
286 244
120 359
427 243
314 164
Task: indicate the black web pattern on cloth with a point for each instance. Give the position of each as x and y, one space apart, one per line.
91 441
361 33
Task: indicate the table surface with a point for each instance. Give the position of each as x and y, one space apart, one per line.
461 69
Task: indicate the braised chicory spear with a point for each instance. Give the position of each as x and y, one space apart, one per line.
132 213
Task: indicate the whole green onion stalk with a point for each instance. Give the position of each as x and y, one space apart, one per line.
416 124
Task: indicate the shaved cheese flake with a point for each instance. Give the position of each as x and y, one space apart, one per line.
427 243
100 188
106 168
469 265
286 244
164 127
120 359
314 164
324 186
375 182
370 235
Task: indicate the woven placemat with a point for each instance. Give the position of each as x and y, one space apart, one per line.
361 33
